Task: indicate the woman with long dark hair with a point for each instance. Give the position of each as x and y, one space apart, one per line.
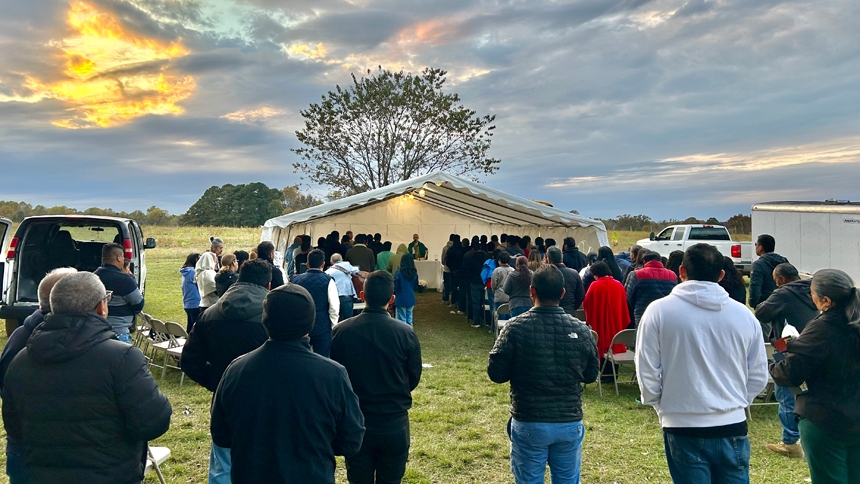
676 257
733 281
824 365
190 293
605 254
405 285
517 287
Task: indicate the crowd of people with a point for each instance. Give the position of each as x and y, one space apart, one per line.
297 378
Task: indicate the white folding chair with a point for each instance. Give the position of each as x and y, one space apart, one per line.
595 336
504 310
624 337
155 456
485 307
770 388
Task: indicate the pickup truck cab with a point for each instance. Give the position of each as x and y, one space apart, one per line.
679 237
44 243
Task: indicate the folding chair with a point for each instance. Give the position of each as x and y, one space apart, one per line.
485 307
142 329
595 336
770 388
159 341
580 314
624 337
504 310
177 336
155 456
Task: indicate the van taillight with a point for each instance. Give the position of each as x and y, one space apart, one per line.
13 246
736 251
126 245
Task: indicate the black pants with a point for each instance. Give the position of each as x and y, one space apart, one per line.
191 314
383 454
463 285
446 286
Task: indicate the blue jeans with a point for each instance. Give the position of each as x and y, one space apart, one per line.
405 314
321 342
124 337
446 286
536 444
708 461
16 469
790 432
346 307
219 465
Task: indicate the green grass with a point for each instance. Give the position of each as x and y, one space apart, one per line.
458 417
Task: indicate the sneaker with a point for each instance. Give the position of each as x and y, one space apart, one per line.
794 451
459 312
476 325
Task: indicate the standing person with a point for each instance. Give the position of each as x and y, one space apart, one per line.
384 256
376 244
791 303
126 300
574 293
266 251
290 256
230 328
82 403
573 258
733 281
676 257
326 301
341 273
227 275
514 246
486 275
473 265
204 273
698 334
446 272
405 285
825 363
284 412
606 311
648 284
517 287
190 292
417 248
547 355
383 359
16 469
454 262
761 282
241 257
300 256
360 255
535 260
497 281
394 261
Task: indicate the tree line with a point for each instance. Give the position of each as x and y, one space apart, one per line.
738 224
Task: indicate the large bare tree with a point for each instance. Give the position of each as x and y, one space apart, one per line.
388 127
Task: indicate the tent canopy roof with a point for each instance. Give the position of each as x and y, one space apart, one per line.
449 193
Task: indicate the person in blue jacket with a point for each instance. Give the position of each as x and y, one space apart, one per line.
405 285
190 293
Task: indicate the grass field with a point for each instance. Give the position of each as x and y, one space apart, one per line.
459 416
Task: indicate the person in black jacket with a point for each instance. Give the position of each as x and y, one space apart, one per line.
127 299
227 330
383 358
573 258
473 264
283 411
761 282
75 375
790 303
824 363
546 354
266 251
459 286
574 291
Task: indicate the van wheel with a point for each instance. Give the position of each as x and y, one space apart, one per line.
12 325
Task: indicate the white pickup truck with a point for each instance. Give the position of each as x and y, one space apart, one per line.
679 237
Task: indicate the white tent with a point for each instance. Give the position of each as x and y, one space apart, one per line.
434 206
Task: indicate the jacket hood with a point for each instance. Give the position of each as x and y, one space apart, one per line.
401 249
772 259
63 337
449 244
186 270
706 295
243 301
801 290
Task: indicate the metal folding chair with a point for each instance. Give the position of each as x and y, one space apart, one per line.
624 337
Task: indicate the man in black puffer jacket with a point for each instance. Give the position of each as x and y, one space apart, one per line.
83 403
546 354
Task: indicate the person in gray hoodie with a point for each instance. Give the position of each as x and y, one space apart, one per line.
227 330
791 303
761 282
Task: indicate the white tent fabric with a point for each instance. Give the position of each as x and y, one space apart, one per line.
434 206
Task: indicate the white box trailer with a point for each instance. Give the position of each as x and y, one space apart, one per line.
813 235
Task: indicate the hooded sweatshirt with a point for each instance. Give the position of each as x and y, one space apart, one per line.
75 375
190 293
394 261
204 276
700 358
790 302
761 278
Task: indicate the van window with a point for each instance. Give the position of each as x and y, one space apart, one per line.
709 233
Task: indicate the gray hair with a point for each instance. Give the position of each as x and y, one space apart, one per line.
335 258
786 271
554 254
47 284
80 292
839 287
215 241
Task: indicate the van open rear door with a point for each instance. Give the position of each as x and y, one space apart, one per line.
5 272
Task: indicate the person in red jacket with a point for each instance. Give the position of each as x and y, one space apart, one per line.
606 308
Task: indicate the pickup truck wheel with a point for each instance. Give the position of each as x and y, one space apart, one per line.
11 325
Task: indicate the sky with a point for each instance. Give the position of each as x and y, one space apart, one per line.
666 108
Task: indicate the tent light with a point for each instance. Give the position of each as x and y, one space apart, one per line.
421 192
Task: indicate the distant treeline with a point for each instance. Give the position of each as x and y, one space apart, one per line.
252 204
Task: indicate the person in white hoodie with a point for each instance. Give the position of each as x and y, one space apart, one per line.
700 361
